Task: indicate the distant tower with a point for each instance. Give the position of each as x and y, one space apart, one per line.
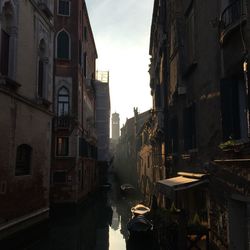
115 126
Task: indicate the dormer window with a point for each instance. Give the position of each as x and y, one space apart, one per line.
64 7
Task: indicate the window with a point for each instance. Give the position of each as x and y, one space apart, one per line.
233 105
23 160
41 68
3 187
173 136
158 96
80 53
63 102
62 148
93 150
64 7
83 147
85 33
85 64
59 177
4 60
63 45
190 34
40 78
189 128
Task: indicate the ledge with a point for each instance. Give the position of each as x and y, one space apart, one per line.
23 222
8 83
233 162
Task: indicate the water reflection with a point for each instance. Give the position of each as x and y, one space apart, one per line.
100 225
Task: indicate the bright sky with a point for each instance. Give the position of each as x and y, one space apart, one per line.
121 30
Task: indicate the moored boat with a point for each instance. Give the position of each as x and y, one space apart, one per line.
139 224
140 209
140 233
127 189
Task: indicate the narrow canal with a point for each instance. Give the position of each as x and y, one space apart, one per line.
98 225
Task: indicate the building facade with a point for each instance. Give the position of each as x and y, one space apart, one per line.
26 85
202 58
128 147
115 127
152 152
102 122
74 149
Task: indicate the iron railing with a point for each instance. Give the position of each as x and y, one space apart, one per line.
62 122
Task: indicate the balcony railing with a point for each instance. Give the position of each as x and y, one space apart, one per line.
62 122
232 16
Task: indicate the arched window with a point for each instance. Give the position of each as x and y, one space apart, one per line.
63 45
63 102
23 160
64 7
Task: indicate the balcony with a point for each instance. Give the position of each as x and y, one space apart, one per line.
47 7
232 17
62 122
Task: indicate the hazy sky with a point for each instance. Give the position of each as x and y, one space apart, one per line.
121 29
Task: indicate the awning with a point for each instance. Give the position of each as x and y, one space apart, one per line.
169 186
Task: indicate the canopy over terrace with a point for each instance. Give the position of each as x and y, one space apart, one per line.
168 187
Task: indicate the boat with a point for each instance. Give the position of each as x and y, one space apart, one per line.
139 222
106 186
127 189
140 231
140 228
140 209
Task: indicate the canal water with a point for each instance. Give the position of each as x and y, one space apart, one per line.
98 225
